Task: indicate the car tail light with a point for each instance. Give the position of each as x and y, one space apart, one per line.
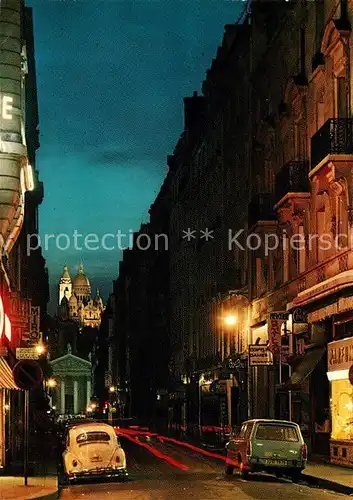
74 463
117 459
248 449
304 452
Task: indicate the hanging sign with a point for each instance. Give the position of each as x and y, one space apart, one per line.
299 315
34 335
259 355
276 321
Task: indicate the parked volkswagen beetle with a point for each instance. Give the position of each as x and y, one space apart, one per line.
274 446
93 450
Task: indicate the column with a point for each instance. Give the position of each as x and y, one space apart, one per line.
75 397
88 392
62 397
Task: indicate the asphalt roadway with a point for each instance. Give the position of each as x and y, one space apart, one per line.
179 472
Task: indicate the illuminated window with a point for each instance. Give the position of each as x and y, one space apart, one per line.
342 409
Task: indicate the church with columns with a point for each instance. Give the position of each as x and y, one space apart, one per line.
75 301
72 394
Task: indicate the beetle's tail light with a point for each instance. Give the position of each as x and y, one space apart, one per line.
117 459
304 452
74 463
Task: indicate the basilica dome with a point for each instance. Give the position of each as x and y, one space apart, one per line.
80 284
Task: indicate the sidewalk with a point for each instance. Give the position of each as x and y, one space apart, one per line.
317 473
331 477
38 487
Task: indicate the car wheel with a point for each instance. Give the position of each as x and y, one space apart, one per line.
278 474
244 474
229 470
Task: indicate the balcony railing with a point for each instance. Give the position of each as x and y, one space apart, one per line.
261 208
335 137
292 178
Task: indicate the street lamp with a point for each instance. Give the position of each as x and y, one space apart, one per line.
243 293
40 349
112 390
230 320
51 383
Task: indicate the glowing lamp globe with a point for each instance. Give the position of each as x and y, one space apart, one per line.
230 320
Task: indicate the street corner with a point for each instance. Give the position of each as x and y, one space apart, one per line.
38 488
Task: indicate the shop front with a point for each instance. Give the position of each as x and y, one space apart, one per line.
340 375
7 384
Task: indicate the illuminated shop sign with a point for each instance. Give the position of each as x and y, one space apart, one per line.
340 354
6 107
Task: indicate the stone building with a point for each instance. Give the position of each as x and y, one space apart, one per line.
73 391
306 203
142 354
23 275
210 196
267 148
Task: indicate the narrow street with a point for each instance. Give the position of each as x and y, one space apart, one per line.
154 478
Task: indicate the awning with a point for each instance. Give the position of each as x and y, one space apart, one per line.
303 369
6 376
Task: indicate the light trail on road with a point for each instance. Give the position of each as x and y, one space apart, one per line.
155 452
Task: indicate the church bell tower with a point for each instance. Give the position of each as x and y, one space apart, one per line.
65 285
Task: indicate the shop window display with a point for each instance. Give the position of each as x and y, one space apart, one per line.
342 410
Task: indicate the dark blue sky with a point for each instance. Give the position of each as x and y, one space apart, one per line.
111 79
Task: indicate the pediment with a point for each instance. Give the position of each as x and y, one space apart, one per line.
70 363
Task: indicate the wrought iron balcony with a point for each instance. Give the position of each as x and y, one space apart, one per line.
292 178
261 208
335 137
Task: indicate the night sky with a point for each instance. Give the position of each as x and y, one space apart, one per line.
111 79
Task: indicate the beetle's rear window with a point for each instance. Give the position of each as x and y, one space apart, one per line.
89 437
275 432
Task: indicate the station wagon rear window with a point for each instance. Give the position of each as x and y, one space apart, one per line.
89 437
275 432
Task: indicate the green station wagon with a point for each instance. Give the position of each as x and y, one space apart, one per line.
273 446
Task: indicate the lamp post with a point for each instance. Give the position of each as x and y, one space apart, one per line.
112 391
230 320
40 349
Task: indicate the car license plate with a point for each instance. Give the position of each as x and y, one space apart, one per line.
276 462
